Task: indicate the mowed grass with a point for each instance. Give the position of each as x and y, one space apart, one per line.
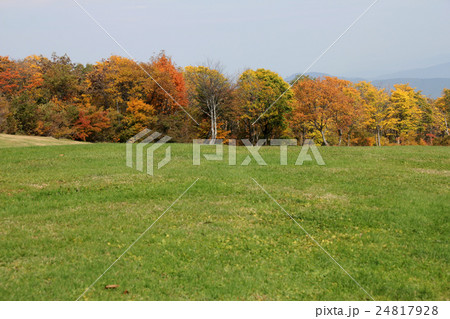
7 140
67 213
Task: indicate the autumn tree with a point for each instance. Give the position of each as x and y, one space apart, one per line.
132 89
166 89
210 91
263 101
442 111
56 118
346 108
4 114
404 112
321 102
113 82
16 77
374 108
10 77
139 115
18 107
166 92
32 69
24 114
90 124
62 79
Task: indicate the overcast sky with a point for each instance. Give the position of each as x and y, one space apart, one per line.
281 35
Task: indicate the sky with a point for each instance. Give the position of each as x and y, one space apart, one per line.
285 36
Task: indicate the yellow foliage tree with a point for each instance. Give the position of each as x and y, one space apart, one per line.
139 115
404 112
374 108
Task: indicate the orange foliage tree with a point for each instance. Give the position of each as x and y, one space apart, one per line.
322 102
90 123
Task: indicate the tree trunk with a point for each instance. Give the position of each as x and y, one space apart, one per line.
303 135
212 126
378 136
251 132
213 114
215 122
340 136
323 138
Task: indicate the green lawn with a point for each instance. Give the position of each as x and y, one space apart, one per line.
67 212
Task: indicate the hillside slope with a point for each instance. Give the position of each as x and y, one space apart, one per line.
7 140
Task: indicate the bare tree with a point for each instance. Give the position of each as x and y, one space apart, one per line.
209 89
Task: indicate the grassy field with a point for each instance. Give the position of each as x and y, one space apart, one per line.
7 140
67 212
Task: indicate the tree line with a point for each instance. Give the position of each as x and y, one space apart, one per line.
116 98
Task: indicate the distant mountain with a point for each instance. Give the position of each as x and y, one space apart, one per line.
429 87
432 72
320 75
431 81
